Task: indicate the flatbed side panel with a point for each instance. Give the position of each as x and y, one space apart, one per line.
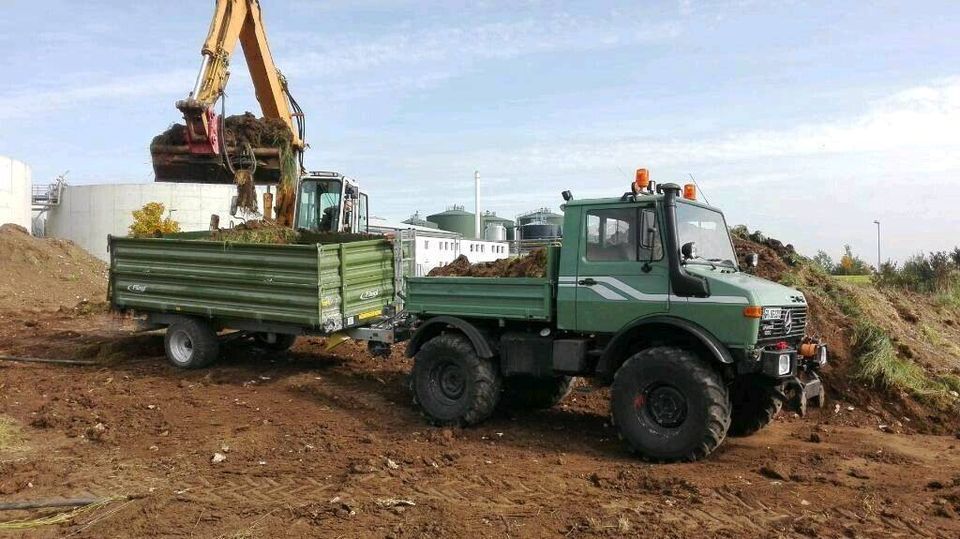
270 283
481 297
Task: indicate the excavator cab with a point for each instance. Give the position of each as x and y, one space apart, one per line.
328 202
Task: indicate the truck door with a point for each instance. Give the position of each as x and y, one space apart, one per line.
621 271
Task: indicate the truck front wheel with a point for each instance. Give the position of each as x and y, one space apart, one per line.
452 384
755 400
191 344
670 405
531 393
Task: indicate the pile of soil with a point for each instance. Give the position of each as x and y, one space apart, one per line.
45 273
533 264
239 129
923 331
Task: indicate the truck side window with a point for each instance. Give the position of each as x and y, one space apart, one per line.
612 235
651 246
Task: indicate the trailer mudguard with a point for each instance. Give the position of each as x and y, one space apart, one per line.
435 326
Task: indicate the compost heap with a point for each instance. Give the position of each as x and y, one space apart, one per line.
238 131
533 264
259 231
47 274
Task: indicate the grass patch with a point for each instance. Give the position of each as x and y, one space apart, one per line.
853 279
9 433
949 298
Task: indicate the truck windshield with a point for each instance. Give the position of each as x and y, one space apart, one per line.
709 230
319 205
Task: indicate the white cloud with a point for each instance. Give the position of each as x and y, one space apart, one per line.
72 93
337 55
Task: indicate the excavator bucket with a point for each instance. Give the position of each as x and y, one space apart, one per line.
176 163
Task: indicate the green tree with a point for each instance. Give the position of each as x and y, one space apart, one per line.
824 261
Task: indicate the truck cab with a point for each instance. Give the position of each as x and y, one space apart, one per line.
645 294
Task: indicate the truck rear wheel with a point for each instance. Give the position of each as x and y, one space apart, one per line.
191 344
276 342
670 405
755 400
452 384
532 393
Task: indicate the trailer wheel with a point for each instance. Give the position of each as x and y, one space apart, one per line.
755 400
452 384
191 344
532 393
276 342
670 405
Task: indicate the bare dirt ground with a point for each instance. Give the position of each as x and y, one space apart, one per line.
330 445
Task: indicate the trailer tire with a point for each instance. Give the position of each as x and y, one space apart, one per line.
281 343
191 344
522 392
754 400
670 405
453 385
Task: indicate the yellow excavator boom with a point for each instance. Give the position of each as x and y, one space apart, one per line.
205 157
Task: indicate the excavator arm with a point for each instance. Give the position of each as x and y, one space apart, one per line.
205 157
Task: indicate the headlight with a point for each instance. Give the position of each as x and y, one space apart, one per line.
822 355
783 366
772 313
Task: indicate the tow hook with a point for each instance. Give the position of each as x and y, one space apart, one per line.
806 386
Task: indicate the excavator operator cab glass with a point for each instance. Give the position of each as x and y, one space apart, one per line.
319 205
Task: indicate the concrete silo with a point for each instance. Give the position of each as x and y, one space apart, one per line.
455 219
15 191
86 214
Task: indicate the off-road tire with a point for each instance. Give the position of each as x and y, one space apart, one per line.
533 393
191 343
283 342
754 401
670 405
453 385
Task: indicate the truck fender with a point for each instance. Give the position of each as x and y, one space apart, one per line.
620 342
435 326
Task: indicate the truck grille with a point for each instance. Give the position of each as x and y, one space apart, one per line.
792 323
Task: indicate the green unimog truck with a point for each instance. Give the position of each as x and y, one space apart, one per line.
644 294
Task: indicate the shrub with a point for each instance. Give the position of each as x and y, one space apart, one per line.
149 222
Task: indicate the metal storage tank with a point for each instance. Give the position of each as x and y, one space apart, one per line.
542 215
416 220
488 218
495 232
455 219
15 190
539 231
86 214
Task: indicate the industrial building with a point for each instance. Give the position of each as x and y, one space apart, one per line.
15 188
433 247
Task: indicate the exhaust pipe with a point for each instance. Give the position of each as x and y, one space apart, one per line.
682 283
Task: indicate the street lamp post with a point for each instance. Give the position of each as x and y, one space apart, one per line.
876 222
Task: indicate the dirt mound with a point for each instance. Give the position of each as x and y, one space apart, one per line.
923 335
46 273
270 232
533 264
239 129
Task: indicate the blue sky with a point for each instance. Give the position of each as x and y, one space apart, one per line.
807 120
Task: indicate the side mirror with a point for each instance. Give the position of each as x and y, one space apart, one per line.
753 259
689 250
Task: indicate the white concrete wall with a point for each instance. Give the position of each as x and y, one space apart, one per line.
15 191
87 214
